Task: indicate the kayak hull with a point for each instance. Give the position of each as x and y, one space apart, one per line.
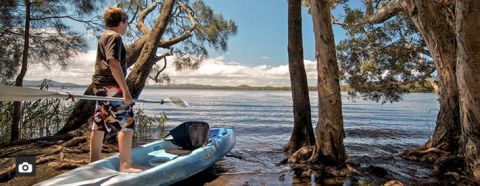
164 168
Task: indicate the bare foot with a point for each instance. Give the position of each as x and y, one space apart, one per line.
131 170
140 167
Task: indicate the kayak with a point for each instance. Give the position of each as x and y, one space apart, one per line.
166 162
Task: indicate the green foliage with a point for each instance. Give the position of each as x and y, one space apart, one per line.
10 48
212 30
51 39
147 127
383 61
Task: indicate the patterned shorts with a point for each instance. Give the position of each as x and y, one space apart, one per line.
110 116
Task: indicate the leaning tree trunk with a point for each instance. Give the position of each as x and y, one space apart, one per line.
17 105
302 134
468 76
435 23
329 148
138 76
141 53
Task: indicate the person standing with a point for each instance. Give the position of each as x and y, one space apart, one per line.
109 81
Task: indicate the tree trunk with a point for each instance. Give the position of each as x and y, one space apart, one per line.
17 106
468 76
138 76
302 134
435 23
329 148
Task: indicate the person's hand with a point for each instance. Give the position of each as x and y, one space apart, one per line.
127 99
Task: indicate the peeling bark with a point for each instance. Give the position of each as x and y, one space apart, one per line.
468 75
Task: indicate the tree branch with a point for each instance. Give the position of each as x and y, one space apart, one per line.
186 34
426 75
337 22
66 17
141 19
369 7
383 14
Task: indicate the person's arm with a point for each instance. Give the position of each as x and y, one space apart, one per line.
117 73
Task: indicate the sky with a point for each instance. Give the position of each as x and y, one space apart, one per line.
257 55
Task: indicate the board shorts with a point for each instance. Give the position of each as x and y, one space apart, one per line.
112 116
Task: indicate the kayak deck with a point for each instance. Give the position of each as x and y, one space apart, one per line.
167 164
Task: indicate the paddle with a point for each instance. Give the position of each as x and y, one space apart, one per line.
13 93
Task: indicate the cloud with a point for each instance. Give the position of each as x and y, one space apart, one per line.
212 71
79 71
216 71
264 57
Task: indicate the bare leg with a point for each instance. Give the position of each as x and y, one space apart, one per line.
125 148
96 143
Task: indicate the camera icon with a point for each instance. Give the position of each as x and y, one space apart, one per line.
25 167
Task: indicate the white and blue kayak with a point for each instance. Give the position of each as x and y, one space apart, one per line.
165 167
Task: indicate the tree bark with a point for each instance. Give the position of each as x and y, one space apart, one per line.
302 134
138 76
435 23
17 106
468 76
329 148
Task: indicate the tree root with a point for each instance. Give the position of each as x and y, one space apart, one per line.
109 148
7 173
45 159
423 154
63 165
304 168
301 156
75 141
5 161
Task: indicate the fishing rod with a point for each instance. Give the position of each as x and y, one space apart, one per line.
14 93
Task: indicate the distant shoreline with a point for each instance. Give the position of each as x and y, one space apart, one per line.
343 88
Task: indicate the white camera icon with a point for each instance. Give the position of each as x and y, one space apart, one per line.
25 167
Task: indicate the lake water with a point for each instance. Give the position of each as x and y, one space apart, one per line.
263 121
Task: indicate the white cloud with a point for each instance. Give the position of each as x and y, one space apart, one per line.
212 71
215 71
264 57
79 71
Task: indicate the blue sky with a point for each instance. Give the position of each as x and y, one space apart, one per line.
257 54
263 31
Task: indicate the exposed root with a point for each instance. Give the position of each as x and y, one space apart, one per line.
63 165
393 183
5 161
301 156
7 173
82 162
329 175
45 159
75 141
109 148
424 154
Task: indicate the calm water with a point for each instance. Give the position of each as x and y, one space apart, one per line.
263 120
